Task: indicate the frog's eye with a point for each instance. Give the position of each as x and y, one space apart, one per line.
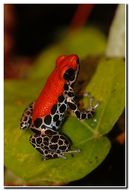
69 74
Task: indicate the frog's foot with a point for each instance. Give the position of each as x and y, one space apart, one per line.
52 145
90 111
61 153
93 104
26 119
72 151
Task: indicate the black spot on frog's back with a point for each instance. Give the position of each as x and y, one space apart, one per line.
54 109
38 122
47 119
61 98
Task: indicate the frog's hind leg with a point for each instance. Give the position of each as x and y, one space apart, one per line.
26 119
47 144
51 144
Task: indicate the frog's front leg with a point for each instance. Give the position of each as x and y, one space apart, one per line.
51 144
88 113
26 119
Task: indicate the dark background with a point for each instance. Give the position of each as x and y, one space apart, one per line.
37 25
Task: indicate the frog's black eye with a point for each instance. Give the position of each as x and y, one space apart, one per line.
69 75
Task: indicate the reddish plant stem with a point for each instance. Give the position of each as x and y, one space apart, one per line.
81 16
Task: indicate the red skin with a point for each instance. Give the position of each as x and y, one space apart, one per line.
54 86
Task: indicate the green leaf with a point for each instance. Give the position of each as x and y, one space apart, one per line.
107 86
84 42
110 81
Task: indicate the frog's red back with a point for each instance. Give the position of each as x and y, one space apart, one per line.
49 96
54 86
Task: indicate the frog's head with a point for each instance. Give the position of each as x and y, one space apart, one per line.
68 67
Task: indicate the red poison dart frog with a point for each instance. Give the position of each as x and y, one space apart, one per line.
45 115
